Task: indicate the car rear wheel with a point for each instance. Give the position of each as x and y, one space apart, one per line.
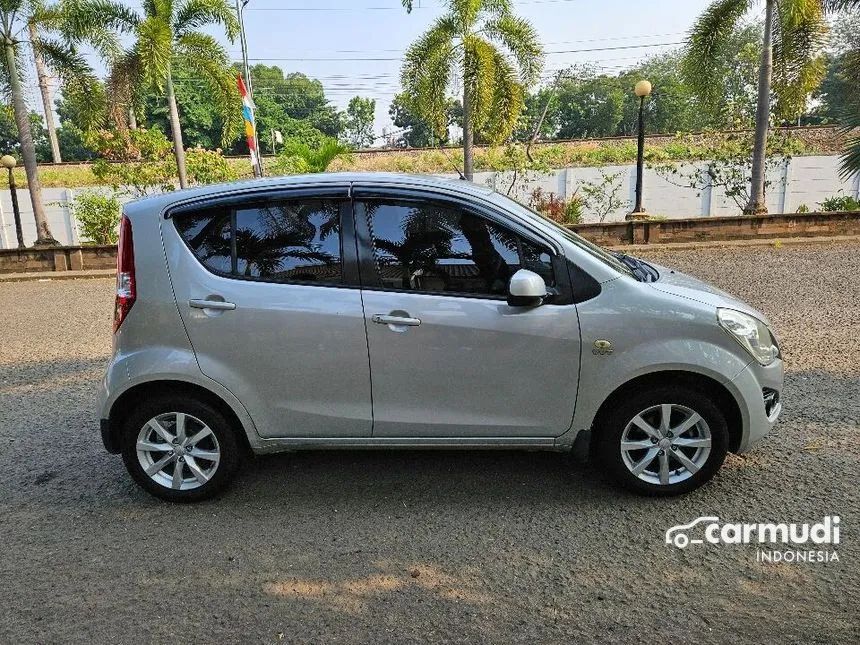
664 441
179 450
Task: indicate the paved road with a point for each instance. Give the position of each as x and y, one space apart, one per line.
423 547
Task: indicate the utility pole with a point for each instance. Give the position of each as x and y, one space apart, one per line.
240 11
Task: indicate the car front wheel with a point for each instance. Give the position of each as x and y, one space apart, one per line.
179 450
664 441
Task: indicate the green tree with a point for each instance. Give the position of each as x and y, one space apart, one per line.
299 97
671 107
589 105
166 32
358 123
82 108
495 53
541 107
9 140
202 120
848 80
790 66
417 133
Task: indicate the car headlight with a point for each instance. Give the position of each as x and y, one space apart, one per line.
751 333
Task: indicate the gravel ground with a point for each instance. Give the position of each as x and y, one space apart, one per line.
416 547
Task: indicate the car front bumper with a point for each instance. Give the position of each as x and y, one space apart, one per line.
758 390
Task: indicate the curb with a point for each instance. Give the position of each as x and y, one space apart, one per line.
748 243
49 276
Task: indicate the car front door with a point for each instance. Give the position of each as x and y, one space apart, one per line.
267 288
448 356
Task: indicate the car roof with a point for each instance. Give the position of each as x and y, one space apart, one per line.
446 184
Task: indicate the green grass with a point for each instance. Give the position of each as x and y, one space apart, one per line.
552 155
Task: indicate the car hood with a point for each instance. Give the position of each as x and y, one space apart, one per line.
686 286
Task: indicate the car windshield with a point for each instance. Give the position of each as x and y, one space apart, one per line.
589 247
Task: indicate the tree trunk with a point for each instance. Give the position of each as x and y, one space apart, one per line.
42 75
28 149
468 136
176 130
757 205
132 118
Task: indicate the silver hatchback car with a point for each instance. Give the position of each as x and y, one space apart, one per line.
388 311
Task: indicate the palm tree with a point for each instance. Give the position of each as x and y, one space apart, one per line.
794 30
15 18
495 53
77 22
165 31
850 119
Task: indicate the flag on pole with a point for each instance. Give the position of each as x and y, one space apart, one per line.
250 125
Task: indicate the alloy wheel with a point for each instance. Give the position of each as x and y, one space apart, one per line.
178 451
666 444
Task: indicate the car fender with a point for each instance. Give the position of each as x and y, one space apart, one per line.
156 364
602 374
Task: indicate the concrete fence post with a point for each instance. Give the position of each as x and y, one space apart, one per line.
4 239
707 196
71 233
784 204
632 191
562 183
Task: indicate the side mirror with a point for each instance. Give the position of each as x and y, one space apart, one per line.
527 289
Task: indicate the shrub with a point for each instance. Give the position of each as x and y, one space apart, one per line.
98 216
840 203
135 162
297 157
207 167
556 208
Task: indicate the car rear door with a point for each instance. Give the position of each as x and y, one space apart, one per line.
449 357
267 288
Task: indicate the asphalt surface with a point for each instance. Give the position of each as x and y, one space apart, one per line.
425 547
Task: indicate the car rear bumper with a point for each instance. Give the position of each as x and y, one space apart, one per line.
759 393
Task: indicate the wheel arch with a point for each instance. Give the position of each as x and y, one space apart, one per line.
706 385
126 401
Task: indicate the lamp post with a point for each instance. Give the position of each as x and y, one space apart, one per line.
642 90
240 11
9 162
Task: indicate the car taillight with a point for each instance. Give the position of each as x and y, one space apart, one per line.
126 291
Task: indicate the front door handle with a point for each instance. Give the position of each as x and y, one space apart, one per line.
218 305
383 319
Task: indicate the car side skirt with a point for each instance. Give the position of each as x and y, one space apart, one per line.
406 443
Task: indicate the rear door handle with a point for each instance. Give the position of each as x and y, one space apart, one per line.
219 305
382 319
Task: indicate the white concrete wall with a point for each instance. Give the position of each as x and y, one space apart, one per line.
806 180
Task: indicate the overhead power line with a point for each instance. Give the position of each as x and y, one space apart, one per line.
398 58
384 8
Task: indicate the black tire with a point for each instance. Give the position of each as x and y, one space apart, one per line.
228 462
609 434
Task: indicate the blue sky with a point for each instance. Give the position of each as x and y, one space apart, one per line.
335 40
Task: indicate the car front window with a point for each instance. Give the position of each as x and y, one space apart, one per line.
589 247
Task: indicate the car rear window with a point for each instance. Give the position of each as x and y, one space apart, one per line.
284 241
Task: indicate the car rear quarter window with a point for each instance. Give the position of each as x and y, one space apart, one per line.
208 234
283 241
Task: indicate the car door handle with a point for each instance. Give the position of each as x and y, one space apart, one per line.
382 319
219 305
